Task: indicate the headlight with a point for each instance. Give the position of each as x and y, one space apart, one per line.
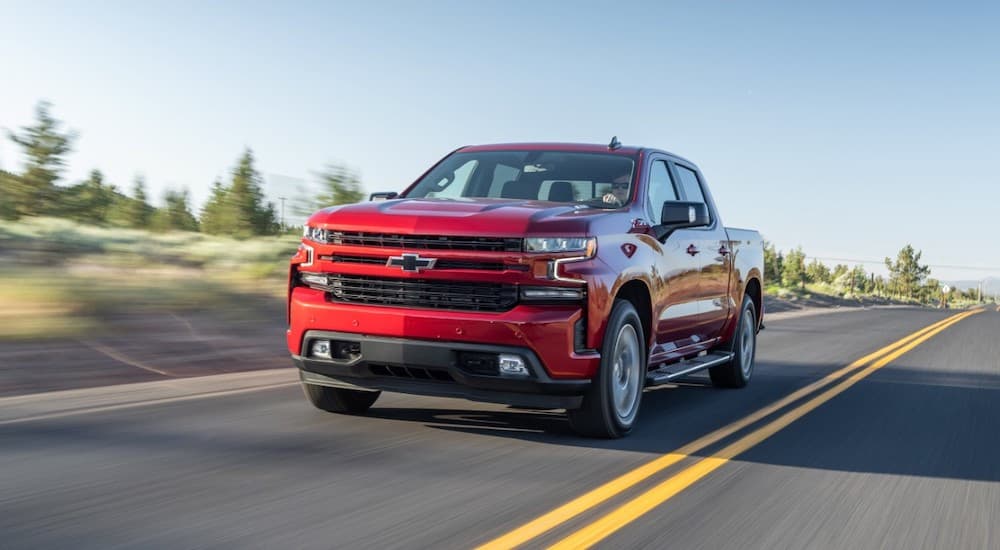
315 234
313 279
586 245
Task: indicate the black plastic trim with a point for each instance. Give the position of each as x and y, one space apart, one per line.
439 389
420 354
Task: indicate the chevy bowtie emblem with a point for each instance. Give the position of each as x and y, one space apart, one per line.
411 262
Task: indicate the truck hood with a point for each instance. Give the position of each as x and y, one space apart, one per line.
472 217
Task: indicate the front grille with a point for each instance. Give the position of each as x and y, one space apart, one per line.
421 293
440 264
431 242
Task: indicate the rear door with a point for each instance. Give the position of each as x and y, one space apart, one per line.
710 251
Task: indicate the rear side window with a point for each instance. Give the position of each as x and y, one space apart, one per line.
661 190
689 182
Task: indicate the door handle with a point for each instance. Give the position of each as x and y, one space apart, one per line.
692 250
723 250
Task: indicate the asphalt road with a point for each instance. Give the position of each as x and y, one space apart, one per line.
907 456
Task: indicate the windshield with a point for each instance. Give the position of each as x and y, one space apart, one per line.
595 179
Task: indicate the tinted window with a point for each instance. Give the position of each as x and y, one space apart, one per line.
689 182
661 190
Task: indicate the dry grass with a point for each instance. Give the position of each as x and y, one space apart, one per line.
61 279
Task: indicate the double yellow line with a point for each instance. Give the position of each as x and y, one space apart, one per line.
633 509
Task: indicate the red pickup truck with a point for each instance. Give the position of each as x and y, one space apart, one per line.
551 276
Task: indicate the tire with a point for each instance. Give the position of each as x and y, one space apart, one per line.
339 400
611 405
737 372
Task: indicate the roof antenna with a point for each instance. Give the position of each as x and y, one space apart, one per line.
615 144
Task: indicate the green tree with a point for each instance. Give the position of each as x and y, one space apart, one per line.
89 201
213 213
793 269
340 185
971 293
861 282
818 272
838 272
7 207
906 274
772 263
245 212
879 286
931 293
45 147
138 213
175 214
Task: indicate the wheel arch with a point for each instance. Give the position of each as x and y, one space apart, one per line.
755 291
637 293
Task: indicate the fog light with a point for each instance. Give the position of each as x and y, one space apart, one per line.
551 293
512 365
320 349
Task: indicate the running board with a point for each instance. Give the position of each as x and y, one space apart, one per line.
674 371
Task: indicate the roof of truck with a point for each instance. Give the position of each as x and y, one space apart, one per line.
625 150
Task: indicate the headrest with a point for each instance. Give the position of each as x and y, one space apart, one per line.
561 191
519 190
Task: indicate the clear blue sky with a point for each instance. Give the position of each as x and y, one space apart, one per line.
850 129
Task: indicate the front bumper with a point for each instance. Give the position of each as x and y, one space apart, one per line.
434 368
554 334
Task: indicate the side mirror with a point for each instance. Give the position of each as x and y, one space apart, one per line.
680 215
383 196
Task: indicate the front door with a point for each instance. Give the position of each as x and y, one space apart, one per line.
676 272
713 255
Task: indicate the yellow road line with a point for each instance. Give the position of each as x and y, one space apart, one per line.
632 510
594 497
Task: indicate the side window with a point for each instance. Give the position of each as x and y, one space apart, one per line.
661 189
689 182
455 186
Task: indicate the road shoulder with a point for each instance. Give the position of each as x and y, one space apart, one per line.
68 402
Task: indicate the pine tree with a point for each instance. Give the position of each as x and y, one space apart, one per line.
175 214
906 274
7 206
860 281
45 148
341 185
89 201
338 184
138 212
793 269
772 263
818 272
214 211
245 212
